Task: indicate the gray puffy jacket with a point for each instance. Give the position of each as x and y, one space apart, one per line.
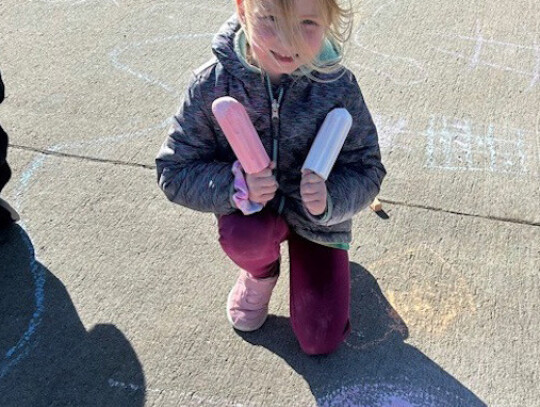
194 163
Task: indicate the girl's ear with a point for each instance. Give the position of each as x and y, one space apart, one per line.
241 11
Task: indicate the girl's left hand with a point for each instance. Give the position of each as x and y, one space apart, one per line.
313 193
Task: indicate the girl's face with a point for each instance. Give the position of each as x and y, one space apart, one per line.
268 49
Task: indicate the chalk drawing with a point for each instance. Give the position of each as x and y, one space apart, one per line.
475 59
536 70
161 9
64 1
392 132
431 309
75 2
462 145
485 52
455 144
117 52
175 5
185 397
33 167
390 395
538 138
29 339
401 70
360 395
116 2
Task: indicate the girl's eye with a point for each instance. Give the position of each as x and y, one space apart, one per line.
310 23
268 19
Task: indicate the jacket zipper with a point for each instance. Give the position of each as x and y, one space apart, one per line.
275 132
275 102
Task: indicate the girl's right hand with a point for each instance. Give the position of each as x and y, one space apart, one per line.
262 185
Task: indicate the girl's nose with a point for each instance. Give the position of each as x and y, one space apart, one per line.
286 47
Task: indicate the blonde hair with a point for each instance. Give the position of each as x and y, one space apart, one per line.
337 19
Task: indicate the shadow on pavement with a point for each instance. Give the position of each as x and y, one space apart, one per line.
375 367
47 358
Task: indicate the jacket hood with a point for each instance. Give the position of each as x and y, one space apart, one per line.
223 48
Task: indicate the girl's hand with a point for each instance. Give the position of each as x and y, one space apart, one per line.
262 185
313 192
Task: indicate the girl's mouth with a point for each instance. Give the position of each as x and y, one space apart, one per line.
283 58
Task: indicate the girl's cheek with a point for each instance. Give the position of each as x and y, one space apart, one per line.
314 43
265 31
312 35
318 35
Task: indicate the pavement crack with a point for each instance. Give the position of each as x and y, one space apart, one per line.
81 157
472 215
383 200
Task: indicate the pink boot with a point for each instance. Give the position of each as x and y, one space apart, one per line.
247 305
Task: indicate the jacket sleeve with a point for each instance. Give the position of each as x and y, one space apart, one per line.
356 178
187 169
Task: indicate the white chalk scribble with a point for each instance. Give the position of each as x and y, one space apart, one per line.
399 69
462 145
393 132
510 57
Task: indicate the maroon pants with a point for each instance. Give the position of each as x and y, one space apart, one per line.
319 275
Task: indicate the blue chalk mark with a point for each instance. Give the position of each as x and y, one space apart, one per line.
28 340
25 343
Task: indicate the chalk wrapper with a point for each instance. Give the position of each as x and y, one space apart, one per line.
241 135
328 143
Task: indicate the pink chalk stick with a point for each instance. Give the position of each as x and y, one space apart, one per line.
242 136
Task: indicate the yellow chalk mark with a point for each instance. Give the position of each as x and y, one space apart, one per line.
433 294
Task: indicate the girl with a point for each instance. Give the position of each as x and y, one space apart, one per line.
282 60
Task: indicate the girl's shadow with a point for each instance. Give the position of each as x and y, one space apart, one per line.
375 367
47 357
